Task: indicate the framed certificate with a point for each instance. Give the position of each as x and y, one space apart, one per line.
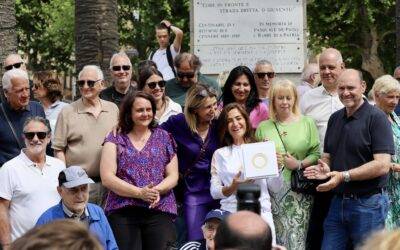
259 160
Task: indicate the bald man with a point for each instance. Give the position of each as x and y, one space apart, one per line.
357 150
243 230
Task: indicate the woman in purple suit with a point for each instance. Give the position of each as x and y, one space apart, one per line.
195 133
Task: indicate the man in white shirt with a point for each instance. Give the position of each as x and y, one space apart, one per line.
165 55
320 103
310 79
28 183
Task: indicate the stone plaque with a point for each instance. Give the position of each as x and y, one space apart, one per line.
228 33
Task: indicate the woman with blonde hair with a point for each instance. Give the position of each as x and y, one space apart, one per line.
195 132
386 92
296 139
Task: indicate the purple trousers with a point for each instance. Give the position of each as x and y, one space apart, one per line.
194 217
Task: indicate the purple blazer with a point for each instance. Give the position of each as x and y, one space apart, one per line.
197 175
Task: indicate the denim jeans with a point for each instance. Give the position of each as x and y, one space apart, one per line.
350 220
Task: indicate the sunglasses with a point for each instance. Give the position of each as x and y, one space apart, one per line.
15 65
261 75
185 74
31 135
90 83
124 67
152 85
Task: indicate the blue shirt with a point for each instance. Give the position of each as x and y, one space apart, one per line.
98 223
8 144
352 141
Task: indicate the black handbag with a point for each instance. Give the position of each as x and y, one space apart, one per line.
299 183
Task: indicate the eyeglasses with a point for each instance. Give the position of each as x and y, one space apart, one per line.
261 75
15 65
124 67
90 83
185 74
152 85
31 135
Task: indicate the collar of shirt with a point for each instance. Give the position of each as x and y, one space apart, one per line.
82 109
359 112
28 162
325 92
55 104
70 214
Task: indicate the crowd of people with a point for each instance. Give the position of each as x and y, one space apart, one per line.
156 164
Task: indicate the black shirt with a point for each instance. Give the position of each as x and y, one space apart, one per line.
112 95
352 141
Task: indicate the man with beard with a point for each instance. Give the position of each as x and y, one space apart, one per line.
28 182
14 111
121 72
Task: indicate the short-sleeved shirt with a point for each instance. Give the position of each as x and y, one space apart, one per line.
160 58
9 147
175 91
352 141
195 166
80 135
140 168
31 191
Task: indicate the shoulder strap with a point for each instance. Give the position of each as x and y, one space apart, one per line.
280 137
151 55
11 126
170 59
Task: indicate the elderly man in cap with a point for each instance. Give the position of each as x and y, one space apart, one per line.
209 228
73 187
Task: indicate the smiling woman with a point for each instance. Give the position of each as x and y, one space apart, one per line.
139 166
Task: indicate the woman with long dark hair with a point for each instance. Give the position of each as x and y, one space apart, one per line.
240 87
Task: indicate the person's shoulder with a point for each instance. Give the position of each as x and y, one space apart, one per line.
174 105
171 82
13 164
109 105
55 162
95 208
107 90
191 245
208 80
265 124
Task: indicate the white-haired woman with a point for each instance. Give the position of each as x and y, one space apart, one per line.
386 92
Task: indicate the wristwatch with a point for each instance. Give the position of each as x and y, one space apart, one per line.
346 176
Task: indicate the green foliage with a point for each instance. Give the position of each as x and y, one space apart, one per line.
140 33
46 32
346 25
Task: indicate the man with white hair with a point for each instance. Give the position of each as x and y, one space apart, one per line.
14 111
121 72
28 182
82 126
310 79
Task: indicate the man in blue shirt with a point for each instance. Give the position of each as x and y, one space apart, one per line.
73 187
357 149
14 111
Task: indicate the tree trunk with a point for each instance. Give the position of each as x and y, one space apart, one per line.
371 61
96 33
8 36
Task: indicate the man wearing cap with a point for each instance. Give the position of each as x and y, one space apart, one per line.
73 187
28 182
211 223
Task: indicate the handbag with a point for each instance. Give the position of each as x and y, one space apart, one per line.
299 183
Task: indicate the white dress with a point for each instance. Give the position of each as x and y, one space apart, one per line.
225 164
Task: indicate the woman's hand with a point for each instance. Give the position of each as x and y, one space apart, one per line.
281 160
291 162
395 167
229 190
149 194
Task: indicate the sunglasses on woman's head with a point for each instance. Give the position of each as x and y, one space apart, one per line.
15 65
124 67
90 83
261 75
31 135
152 85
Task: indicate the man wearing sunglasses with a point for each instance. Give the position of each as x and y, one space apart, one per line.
16 108
12 61
82 126
165 54
188 74
263 74
28 182
121 73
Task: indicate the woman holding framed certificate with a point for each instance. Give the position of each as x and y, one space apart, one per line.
296 139
227 163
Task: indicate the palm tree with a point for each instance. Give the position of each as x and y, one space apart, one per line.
96 33
8 36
